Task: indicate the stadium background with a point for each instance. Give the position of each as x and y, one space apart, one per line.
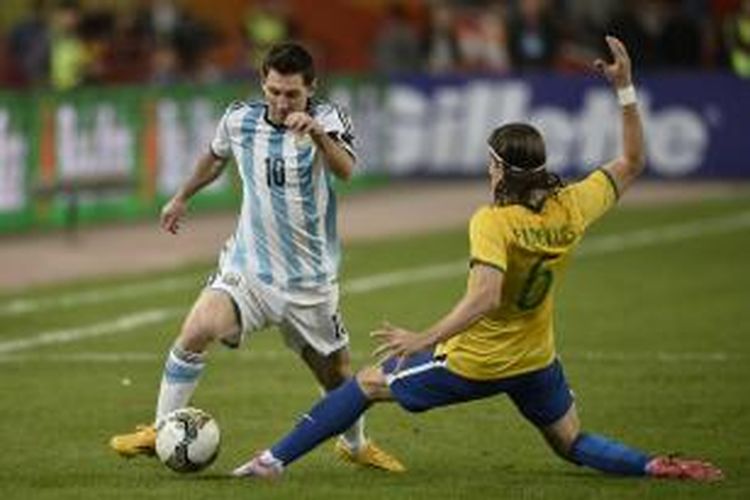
91 147
106 104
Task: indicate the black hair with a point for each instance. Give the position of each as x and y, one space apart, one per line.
520 149
289 58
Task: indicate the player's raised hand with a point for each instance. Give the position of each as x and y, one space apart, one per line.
397 342
302 123
618 72
172 214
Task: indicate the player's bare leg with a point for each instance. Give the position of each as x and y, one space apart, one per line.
561 435
352 446
212 317
606 455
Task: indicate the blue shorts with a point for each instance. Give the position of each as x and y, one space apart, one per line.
424 382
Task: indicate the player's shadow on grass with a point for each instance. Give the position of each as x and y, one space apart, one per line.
510 473
576 473
207 476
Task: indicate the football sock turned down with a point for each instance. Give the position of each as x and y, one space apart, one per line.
354 436
330 416
181 373
606 455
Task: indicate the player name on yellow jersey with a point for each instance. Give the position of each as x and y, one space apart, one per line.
556 236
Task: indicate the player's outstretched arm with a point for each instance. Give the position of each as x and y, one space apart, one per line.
482 296
207 169
630 164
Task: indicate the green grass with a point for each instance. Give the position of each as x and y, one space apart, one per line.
654 341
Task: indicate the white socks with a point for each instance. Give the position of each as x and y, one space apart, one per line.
181 373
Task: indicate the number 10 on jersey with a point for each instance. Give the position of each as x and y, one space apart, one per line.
275 174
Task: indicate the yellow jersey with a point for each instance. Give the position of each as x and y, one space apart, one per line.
532 250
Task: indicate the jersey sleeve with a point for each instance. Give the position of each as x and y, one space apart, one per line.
487 240
221 145
338 125
594 195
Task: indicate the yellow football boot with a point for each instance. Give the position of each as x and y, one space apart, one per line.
369 455
140 442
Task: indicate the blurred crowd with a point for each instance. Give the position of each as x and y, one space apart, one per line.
566 35
65 44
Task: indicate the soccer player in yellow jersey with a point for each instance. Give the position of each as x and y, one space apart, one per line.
499 338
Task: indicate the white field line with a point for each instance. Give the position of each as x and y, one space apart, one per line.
665 234
96 296
282 354
596 246
122 324
593 246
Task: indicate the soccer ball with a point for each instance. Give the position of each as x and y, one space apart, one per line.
187 440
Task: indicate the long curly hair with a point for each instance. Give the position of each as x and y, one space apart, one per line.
520 149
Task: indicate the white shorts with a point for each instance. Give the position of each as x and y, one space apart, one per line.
304 318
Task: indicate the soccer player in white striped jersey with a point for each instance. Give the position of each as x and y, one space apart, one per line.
280 265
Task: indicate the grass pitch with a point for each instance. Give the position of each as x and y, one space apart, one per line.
652 326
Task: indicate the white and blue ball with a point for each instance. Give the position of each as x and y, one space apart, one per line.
187 440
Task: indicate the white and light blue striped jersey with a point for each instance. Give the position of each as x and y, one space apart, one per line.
286 235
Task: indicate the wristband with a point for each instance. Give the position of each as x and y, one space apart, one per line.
626 96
